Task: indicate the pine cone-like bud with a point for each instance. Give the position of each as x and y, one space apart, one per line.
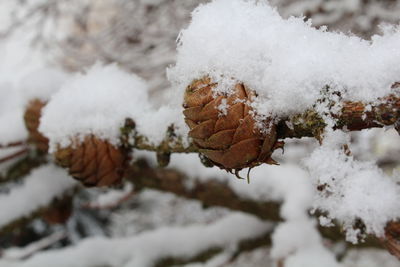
32 116
60 211
392 238
224 128
93 161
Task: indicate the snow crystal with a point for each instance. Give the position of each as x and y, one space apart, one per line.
287 61
39 189
96 102
350 190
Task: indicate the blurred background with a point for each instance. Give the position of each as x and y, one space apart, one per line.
140 36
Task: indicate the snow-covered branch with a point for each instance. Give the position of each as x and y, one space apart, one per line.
41 187
149 247
244 81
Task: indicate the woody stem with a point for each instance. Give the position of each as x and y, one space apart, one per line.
354 116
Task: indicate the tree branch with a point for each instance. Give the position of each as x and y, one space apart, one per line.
210 193
215 193
353 116
14 155
22 167
242 247
13 144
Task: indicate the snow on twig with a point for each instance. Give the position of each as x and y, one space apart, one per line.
15 254
40 187
146 248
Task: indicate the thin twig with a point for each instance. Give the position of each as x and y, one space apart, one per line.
14 155
23 253
112 205
14 144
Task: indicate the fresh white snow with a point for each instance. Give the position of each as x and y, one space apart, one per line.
286 61
40 187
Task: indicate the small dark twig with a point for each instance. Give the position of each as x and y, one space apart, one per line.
14 144
14 155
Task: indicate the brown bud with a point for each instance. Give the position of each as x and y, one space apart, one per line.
231 138
60 211
93 161
392 239
32 116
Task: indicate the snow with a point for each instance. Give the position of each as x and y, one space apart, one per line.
102 98
286 61
296 239
248 41
41 83
267 182
148 247
16 253
352 189
300 244
155 209
369 258
96 102
38 83
11 115
17 60
111 197
154 124
40 187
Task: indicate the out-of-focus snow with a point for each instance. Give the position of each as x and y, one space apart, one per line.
281 58
369 258
17 60
299 244
111 197
38 190
154 209
38 83
41 83
11 115
148 247
297 238
267 182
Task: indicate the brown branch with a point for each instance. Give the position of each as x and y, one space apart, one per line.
354 116
391 241
242 247
22 167
14 144
40 212
14 155
95 206
215 193
29 250
210 193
